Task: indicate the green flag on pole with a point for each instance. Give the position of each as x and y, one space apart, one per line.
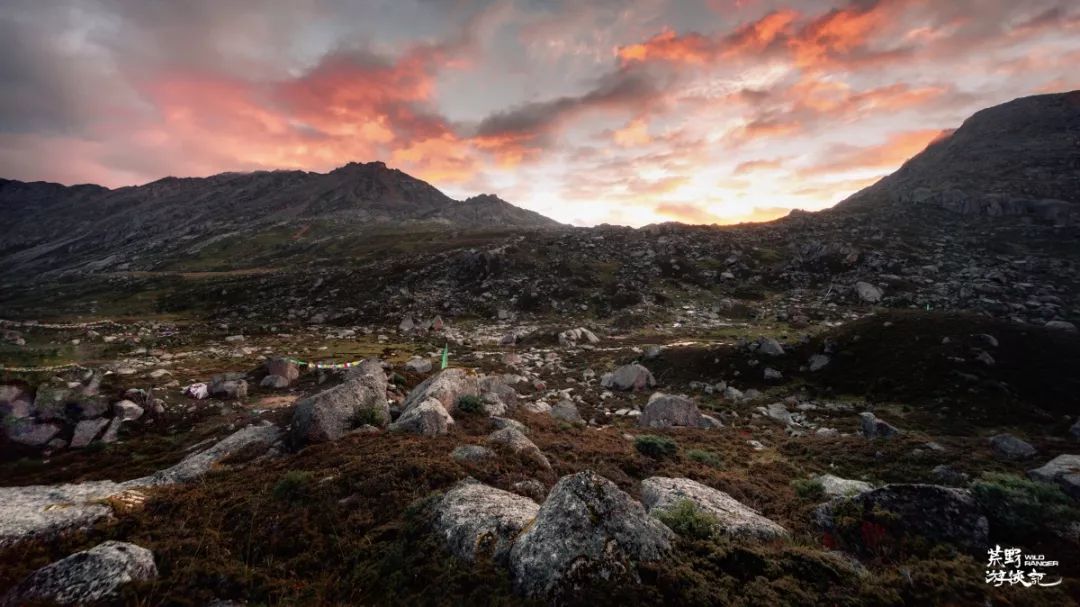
445 355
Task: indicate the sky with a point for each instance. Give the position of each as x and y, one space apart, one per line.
624 112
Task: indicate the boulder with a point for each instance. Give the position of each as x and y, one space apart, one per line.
126 410
572 336
587 531
1009 447
58 402
30 433
481 521
834 486
471 453
429 418
252 440
506 422
198 391
328 415
86 431
1063 470
660 494
419 365
868 292
284 368
446 387
228 385
88 576
498 390
769 347
872 427
274 382
46 511
515 441
567 411
817 362
1061 325
942 514
15 402
628 377
665 411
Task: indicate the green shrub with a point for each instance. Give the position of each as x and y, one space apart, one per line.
808 489
368 417
397 379
656 447
1020 506
469 403
689 521
292 485
706 457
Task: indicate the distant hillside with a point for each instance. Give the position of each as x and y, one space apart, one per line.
53 227
1020 158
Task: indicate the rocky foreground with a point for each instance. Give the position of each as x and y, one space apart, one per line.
734 462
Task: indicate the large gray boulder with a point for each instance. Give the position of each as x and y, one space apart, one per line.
86 431
254 440
481 521
15 402
228 385
834 486
57 402
660 494
868 292
770 347
429 418
1009 447
874 427
514 440
629 377
29 432
45 511
1063 470
447 387
943 514
328 415
586 531
665 411
284 368
84 577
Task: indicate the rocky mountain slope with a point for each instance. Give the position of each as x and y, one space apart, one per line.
1020 158
51 227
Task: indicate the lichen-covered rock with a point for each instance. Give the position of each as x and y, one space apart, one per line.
1009 447
477 520
126 410
868 292
417 364
1063 470
254 440
45 511
284 368
30 433
447 387
665 411
660 494
873 427
567 411
515 441
228 385
471 453
429 418
834 486
629 377
274 382
943 514
15 402
87 576
328 415
586 531
86 431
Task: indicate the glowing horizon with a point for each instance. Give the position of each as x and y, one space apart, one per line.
611 112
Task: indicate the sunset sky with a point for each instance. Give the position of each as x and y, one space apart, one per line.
631 112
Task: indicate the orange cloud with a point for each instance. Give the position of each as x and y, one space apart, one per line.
698 49
889 155
636 132
751 166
